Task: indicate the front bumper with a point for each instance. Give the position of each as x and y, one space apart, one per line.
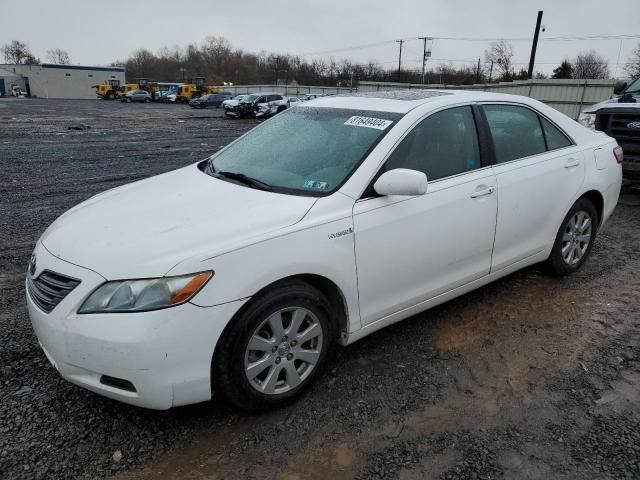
165 354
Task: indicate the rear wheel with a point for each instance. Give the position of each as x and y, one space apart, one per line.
276 347
574 239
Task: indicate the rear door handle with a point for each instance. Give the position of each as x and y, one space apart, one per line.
483 190
572 162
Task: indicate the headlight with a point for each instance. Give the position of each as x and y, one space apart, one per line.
144 295
588 120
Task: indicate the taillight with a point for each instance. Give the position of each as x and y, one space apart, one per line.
617 152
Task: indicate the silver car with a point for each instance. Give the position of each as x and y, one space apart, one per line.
137 96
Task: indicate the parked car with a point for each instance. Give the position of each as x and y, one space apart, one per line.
258 105
210 100
619 117
166 96
19 92
239 275
293 101
232 102
136 96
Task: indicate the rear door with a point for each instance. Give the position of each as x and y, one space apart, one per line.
411 249
539 171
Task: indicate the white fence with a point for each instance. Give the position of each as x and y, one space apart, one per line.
567 96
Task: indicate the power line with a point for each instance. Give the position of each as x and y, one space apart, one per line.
576 38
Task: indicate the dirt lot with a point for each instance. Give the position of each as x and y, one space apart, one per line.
531 377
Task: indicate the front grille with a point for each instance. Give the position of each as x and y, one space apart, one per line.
615 124
49 289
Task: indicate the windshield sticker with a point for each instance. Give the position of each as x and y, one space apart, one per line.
313 185
369 122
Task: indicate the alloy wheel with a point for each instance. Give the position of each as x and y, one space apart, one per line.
576 237
283 350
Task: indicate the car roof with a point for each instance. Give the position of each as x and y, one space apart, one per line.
402 101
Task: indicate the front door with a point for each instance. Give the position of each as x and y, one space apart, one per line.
411 249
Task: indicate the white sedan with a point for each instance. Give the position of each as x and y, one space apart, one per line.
239 274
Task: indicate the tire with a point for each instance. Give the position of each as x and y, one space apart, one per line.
574 240
147 100
129 100
281 108
283 375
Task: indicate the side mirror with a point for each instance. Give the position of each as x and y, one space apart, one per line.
401 181
619 87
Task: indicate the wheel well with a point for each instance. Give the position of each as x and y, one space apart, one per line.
327 287
595 197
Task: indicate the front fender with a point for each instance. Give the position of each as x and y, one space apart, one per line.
321 244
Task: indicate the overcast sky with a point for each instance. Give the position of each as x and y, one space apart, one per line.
98 32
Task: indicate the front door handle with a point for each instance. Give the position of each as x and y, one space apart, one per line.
572 162
483 190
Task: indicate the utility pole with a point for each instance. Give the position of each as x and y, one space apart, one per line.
491 71
277 61
399 58
478 72
424 54
534 46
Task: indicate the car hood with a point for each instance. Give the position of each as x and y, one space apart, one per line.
145 228
613 103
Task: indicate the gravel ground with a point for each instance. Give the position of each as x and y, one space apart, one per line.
530 377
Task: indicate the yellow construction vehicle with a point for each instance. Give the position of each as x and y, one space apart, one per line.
129 87
193 89
109 90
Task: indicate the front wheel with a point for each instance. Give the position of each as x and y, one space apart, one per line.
276 347
574 239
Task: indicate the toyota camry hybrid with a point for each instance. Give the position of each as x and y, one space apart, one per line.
237 276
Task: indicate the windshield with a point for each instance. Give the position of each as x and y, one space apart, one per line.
250 98
309 151
634 87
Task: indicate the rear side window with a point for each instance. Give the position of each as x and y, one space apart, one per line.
441 145
516 132
555 138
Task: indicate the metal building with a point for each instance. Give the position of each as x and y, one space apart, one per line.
57 81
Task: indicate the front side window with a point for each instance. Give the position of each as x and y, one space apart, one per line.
516 132
309 151
441 145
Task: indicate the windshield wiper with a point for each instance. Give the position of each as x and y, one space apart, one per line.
240 177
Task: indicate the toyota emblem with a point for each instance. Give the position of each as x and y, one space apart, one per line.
634 125
32 265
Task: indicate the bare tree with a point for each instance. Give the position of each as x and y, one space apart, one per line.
18 53
58 56
632 67
500 53
590 65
